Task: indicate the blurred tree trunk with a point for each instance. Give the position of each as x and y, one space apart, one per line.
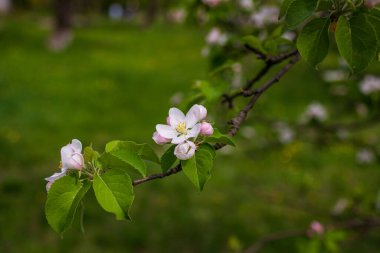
152 11
62 36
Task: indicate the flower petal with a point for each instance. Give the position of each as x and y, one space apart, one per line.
179 139
195 114
166 131
76 145
55 176
193 133
176 116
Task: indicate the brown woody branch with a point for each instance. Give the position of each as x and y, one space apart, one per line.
354 224
270 62
236 121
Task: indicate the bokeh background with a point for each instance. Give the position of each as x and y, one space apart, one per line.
113 73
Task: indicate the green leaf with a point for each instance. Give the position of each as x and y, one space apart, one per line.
63 200
374 20
298 11
218 137
114 192
198 168
313 41
254 42
89 154
123 154
209 91
168 159
284 7
356 41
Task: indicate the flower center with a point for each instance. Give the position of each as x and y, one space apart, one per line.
181 128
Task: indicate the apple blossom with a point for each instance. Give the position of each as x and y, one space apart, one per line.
71 156
265 16
365 156
370 84
316 228
206 129
315 111
181 127
216 37
185 150
159 139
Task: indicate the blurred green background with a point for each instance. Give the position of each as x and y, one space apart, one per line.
115 81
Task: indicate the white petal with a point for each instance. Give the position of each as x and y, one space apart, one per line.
55 176
76 145
193 133
176 116
192 117
195 114
180 139
166 131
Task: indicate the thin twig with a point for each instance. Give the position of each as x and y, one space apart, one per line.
235 122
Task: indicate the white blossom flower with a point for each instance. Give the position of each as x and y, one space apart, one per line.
370 84
183 127
314 111
71 156
289 35
265 16
246 4
365 156
336 75
185 150
206 129
285 133
216 37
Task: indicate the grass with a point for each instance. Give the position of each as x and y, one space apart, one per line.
115 82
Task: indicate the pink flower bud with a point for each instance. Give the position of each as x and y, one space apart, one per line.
206 129
159 139
168 120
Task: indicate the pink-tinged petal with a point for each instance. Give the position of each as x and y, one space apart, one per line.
48 186
77 161
199 112
166 131
206 129
176 116
55 176
76 145
159 139
179 139
168 120
193 133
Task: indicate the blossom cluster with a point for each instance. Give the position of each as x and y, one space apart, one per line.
71 158
183 130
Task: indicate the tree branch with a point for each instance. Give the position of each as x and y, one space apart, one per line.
235 122
269 63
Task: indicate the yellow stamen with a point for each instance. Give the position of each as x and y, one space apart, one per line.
181 128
